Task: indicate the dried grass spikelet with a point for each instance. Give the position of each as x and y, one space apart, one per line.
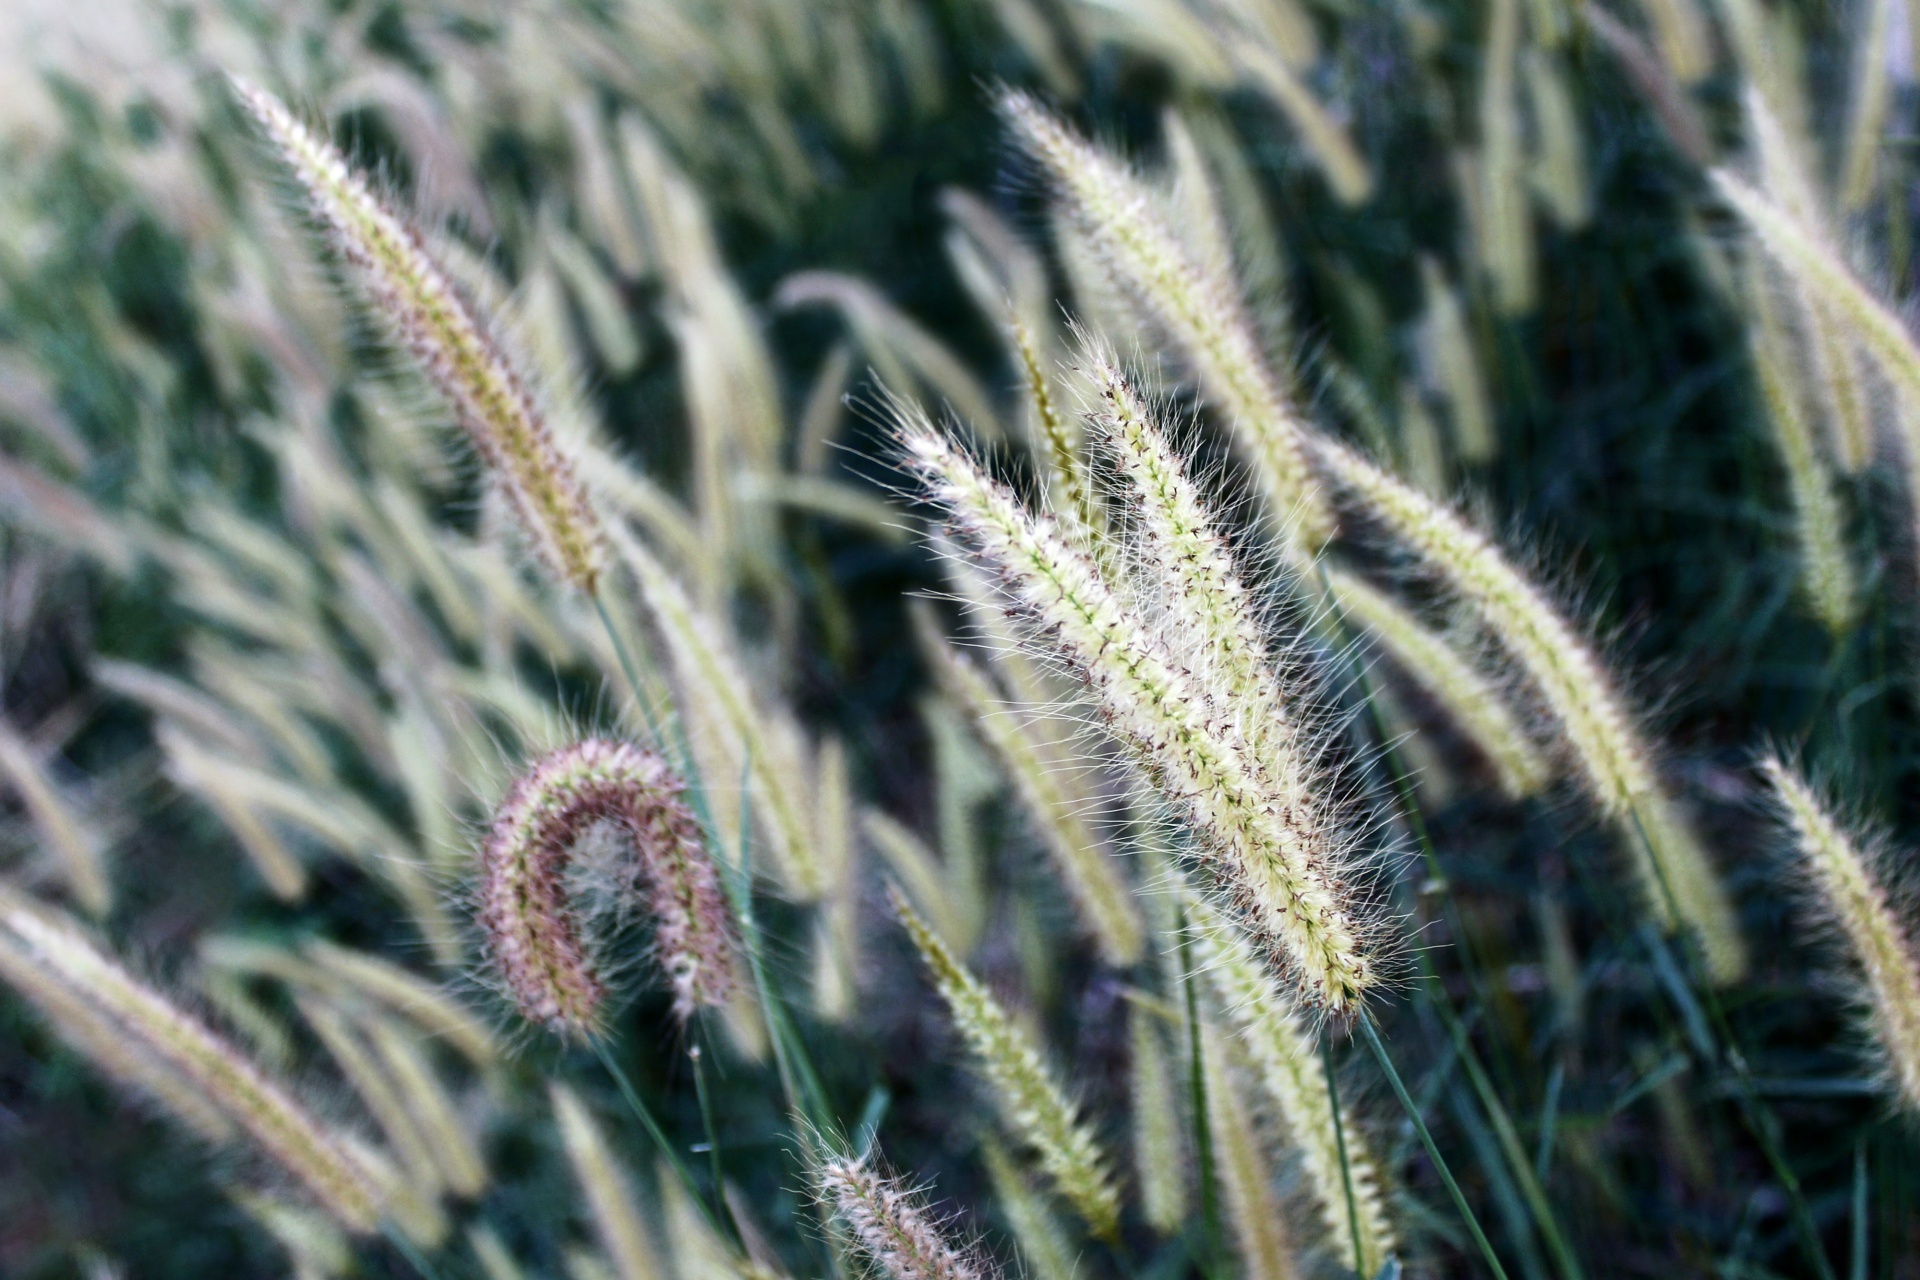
1560 176
1029 1097
1069 495
836 956
322 1160
414 998
78 849
930 881
195 769
1806 257
377 1092
1677 115
1321 134
1826 574
1045 1249
1159 1146
316 1247
1506 248
889 1224
1607 747
738 734
1278 848
1210 614
1279 1043
455 1153
1447 351
1841 870
496 1261
1832 357
1120 217
453 345
535 935
1872 91
617 1219
1042 778
99 1039
1242 1167
1478 707
897 344
1681 34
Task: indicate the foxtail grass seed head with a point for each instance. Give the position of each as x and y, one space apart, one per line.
1279 1043
1807 258
1840 869
322 1160
1159 1151
1119 215
535 933
1031 1102
1599 731
1242 1166
1476 703
1043 781
1043 1242
890 1225
617 1219
1281 856
453 345
1826 573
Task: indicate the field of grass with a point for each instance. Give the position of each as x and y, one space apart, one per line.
957 639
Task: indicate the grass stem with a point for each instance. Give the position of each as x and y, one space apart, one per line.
1426 1141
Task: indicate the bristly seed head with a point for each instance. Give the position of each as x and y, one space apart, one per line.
441 329
889 1225
534 932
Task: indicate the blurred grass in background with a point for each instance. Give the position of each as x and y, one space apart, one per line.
268 655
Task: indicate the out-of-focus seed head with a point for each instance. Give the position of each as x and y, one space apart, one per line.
453 344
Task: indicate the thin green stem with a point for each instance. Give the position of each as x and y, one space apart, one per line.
1197 1091
630 668
651 1124
1512 1150
1426 1142
722 1209
1340 1145
1857 1263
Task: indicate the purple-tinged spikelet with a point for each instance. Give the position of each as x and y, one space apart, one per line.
890 1225
535 933
442 330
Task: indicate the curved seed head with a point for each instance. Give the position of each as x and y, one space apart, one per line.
534 931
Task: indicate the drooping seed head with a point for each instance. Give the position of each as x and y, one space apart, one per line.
453 344
534 931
